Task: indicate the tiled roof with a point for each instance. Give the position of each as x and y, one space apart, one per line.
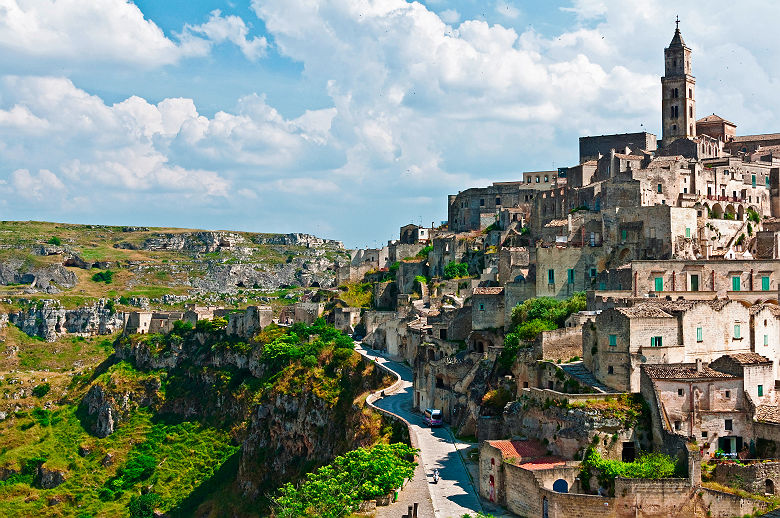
557 223
546 462
519 450
644 311
715 118
679 371
757 138
773 308
748 358
496 290
629 157
768 413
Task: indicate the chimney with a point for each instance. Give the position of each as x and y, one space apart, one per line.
699 365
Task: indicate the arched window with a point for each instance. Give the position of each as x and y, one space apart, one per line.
690 92
690 111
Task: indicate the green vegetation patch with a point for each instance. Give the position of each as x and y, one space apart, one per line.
337 489
455 270
106 276
533 316
647 465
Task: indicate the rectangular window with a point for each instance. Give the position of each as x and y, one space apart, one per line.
570 275
551 276
766 340
659 284
699 334
655 341
482 307
660 188
736 283
687 232
765 283
767 181
753 180
610 370
537 179
760 390
613 340
703 434
481 202
694 283
593 272
623 234
729 425
680 392
737 331
498 201
728 394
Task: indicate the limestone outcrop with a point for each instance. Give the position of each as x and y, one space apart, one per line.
40 278
48 320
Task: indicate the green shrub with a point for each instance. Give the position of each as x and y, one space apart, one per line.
41 390
455 270
143 506
106 276
647 465
423 254
54 240
337 489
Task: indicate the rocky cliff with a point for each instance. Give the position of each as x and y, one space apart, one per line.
282 414
48 320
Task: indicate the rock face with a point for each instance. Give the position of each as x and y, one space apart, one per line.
48 320
50 478
194 242
292 432
306 240
44 278
303 271
108 408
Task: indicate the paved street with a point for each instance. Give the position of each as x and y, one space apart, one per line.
454 495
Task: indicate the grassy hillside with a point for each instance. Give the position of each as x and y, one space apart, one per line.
142 266
180 432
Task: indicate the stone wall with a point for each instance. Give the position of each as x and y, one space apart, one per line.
561 344
759 477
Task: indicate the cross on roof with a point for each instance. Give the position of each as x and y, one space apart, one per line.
678 23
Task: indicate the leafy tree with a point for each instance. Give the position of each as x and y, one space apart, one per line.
455 270
337 489
143 506
54 241
423 254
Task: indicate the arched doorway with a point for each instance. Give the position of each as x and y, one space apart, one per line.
561 486
740 212
770 487
545 512
717 211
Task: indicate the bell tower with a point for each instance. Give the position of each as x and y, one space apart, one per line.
678 88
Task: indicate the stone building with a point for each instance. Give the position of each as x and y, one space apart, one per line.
487 308
712 403
308 312
662 332
345 319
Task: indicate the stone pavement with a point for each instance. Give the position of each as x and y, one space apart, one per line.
455 494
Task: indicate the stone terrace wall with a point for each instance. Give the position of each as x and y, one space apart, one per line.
752 477
561 344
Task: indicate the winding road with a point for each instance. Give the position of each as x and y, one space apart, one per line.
454 495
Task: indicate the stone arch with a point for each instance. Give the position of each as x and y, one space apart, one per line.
623 254
440 381
769 487
561 486
315 284
717 210
740 212
480 347
730 209
431 354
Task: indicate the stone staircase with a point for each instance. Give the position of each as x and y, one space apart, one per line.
578 371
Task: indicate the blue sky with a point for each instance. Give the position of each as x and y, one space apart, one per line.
343 118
